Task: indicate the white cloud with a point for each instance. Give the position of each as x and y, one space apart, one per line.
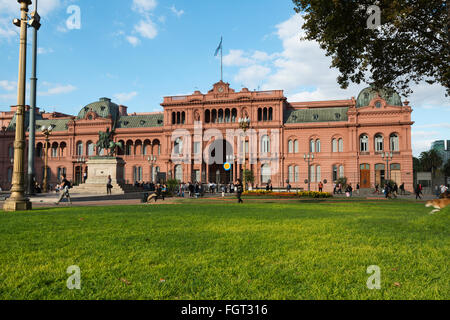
134 41
252 76
236 58
124 97
8 85
178 13
44 50
146 28
144 6
57 89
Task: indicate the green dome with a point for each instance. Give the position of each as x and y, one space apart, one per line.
390 96
104 108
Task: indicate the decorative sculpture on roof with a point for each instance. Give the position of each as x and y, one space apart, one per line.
106 142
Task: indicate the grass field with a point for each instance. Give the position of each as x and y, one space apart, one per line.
218 250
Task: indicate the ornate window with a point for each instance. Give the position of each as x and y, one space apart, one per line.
291 173
312 146
178 146
290 146
266 173
379 144
341 171
79 148
318 174
364 143
296 146
394 142
318 147
341 145
296 173
334 145
179 172
265 144
312 171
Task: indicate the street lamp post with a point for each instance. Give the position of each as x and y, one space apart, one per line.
18 201
244 124
152 160
308 157
35 24
46 132
387 156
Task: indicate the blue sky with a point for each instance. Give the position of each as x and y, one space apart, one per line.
137 51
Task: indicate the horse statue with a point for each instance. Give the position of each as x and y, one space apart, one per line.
105 141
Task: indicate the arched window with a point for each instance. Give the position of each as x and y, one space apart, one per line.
290 146
214 116
54 153
178 146
296 174
270 114
318 146
335 173
90 149
265 144
178 117
260 114
63 149
174 119
179 172
318 174
312 146
233 115
265 115
266 173
79 148
291 173
183 117
60 173
129 148
364 143
121 151
394 142
137 174
379 145
295 146
207 116
312 172
341 171
147 148
341 145
220 117
227 115
334 145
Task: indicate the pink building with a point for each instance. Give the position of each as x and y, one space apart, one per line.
343 138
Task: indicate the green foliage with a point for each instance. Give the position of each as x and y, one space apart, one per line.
221 250
249 176
172 185
430 161
410 46
342 181
446 169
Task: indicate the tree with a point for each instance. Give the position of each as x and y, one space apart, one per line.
430 161
447 168
249 176
412 43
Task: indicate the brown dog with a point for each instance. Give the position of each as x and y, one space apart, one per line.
438 204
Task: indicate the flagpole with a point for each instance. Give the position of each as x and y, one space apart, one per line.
221 59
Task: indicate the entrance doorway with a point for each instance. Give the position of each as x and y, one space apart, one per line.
220 150
380 174
365 176
395 174
78 175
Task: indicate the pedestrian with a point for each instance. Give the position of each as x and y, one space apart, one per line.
402 189
64 186
395 190
288 187
84 177
109 186
418 192
239 190
357 188
320 186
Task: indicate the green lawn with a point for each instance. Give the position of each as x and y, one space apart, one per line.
222 250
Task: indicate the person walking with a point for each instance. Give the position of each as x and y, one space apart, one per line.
357 188
418 192
402 189
109 186
64 186
239 189
320 186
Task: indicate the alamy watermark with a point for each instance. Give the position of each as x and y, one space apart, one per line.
74 281
74 20
374 20
374 281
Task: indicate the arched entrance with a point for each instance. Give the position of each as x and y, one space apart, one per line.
365 175
221 151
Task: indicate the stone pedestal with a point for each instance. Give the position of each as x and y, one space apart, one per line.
99 168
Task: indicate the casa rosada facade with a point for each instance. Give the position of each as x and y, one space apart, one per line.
343 138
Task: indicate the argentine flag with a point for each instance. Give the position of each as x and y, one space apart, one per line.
219 48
